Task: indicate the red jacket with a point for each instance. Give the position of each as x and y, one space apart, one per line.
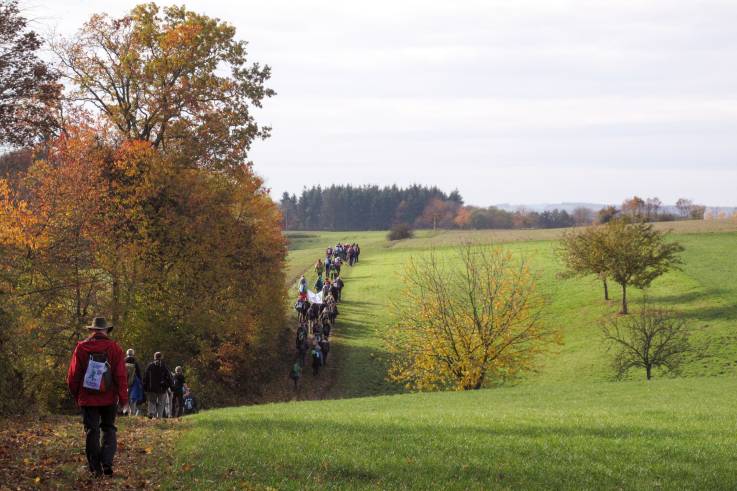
98 343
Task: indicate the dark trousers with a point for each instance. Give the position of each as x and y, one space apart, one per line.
95 418
177 405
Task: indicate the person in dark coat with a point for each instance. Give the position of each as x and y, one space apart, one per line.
156 382
325 346
296 373
98 381
338 287
301 342
177 400
316 354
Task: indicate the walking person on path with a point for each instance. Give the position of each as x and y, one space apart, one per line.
135 382
156 382
325 346
177 401
98 380
302 345
316 358
318 282
338 288
295 374
318 266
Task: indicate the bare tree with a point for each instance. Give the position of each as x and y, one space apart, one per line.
684 207
653 338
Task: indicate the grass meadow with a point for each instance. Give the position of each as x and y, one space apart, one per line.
567 425
666 434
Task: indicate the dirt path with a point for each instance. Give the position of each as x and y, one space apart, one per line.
48 453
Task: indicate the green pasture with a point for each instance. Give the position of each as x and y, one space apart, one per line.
665 434
704 291
565 426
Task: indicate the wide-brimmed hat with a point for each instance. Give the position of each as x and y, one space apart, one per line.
100 324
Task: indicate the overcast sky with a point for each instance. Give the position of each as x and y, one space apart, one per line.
508 101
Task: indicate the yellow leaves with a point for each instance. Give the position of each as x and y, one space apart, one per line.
463 320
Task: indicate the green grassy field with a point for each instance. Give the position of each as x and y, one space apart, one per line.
704 292
565 426
666 434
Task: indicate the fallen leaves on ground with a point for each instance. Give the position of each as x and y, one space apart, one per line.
48 453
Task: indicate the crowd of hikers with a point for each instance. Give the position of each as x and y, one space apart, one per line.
317 311
104 383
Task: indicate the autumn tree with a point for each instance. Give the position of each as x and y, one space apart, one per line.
438 213
583 253
463 217
172 77
652 338
144 207
29 91
634 208
466 321
583 216
607 214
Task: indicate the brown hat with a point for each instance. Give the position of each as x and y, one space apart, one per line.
100 324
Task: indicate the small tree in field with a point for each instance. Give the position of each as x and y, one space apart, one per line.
653 338
583 254
636 254
465 320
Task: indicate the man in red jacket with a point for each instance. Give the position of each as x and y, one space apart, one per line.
98 380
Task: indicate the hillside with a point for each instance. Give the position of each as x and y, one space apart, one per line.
700 290
566 426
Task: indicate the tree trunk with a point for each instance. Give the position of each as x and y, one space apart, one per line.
606 289
624 300
648 369
116 296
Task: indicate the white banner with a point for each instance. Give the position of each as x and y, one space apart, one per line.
314 297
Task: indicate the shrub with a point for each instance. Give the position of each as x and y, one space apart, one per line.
400 231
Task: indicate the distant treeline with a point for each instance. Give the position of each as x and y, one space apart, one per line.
346 207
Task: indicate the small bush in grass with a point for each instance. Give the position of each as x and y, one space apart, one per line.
400 231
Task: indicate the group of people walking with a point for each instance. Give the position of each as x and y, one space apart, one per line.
103 381
318 312
166 392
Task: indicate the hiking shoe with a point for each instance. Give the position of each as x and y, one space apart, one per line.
96 470
107 470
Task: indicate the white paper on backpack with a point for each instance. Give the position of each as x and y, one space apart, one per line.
93 375
314 297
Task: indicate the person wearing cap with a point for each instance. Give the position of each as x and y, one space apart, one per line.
156 383
98 381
